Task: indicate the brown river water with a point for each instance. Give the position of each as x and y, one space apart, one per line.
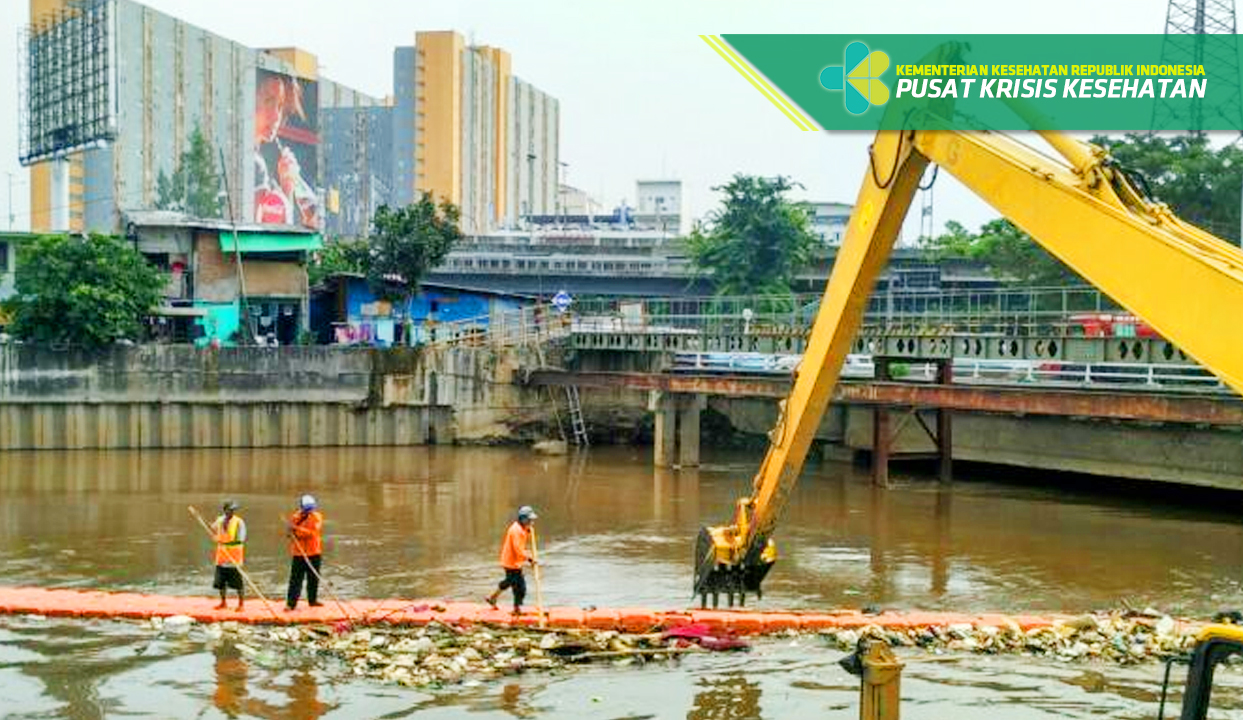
427 522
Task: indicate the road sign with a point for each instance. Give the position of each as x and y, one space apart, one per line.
562 300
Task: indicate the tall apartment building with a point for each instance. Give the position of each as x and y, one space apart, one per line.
452 126
467 130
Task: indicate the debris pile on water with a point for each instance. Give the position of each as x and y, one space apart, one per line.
440 654
1120 637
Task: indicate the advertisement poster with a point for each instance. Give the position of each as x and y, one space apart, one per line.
286 144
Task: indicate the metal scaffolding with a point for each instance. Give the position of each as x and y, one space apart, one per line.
66 81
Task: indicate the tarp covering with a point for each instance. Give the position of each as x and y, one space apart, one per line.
252 242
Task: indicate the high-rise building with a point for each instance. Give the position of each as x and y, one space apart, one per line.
467 130
296 148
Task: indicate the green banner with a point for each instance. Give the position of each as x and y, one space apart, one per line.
1109 83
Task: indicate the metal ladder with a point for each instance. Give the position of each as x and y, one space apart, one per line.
577 424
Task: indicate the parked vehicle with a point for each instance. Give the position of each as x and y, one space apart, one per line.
1110 325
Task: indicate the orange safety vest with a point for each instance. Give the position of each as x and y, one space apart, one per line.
230 541
309 533
514 547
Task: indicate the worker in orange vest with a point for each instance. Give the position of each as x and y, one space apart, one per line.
229 532
306 547
514 555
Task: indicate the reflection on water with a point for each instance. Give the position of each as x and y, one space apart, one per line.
233 697
732 697
512 702
407 522
87 671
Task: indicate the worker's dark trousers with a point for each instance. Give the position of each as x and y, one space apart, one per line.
514 579
300 567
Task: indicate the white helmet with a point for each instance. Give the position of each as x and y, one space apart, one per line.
307 502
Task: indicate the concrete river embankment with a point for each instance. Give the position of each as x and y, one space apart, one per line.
183 397
166 397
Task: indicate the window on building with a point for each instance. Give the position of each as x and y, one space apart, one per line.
4 257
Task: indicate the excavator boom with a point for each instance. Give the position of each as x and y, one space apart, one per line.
1184 282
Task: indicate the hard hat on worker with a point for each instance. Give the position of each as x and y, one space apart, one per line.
526 512
307 502
230 505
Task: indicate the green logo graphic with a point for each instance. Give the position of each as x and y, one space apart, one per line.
859 77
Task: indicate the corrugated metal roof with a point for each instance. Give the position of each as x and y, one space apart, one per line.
170 218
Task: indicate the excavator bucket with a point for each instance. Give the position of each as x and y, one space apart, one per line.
712 579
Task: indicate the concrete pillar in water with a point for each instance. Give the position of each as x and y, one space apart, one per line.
665 407
689 407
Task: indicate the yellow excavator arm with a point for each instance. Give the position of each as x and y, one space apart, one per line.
1082 208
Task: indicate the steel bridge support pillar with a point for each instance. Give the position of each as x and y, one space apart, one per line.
882 435
945 427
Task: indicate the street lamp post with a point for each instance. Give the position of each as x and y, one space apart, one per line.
561 188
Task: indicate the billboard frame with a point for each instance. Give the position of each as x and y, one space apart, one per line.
67 82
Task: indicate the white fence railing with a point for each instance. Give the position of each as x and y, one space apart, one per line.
971 371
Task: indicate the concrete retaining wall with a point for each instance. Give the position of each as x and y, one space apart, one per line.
180 396
108 425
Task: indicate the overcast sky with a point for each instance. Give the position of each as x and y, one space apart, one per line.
642 96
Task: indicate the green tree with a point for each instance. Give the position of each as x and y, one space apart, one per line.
406 243
956 242
1009 253
757 242
83 291
1199 183
195 185
340 256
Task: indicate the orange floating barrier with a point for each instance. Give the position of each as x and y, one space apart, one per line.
54 602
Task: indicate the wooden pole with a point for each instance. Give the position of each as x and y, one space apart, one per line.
539 593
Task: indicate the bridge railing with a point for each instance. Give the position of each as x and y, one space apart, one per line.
1135 376
1013 310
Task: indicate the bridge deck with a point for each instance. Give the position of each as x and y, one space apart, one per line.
1200 409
